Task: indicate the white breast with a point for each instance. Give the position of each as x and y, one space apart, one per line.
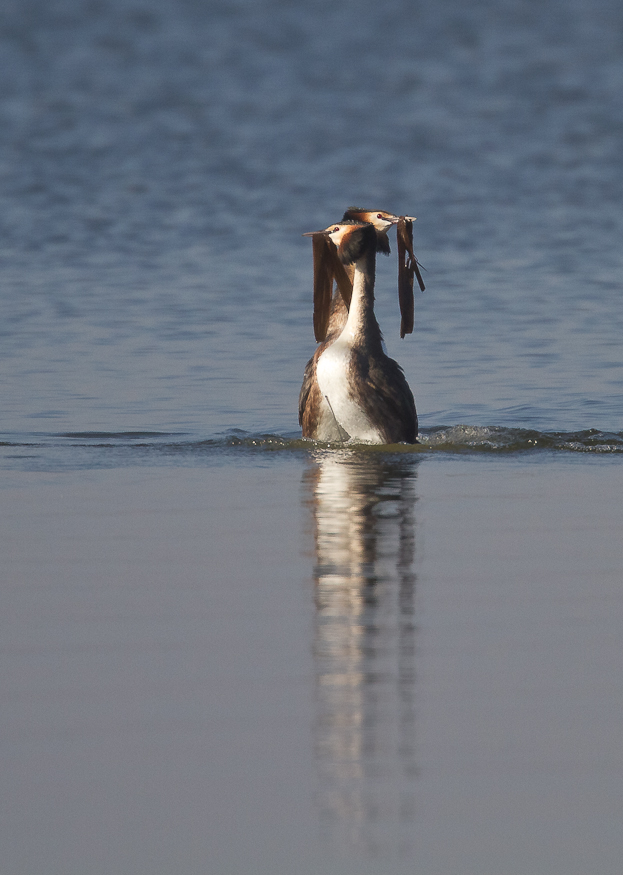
342 417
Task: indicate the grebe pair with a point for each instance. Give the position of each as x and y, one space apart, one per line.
353 391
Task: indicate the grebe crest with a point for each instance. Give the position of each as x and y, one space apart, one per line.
380 219
352 239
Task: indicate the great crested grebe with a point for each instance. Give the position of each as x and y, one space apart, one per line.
351 389
331 305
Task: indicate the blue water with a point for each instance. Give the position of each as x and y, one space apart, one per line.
160 163
226 649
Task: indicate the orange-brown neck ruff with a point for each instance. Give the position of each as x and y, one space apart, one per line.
331 311
330 307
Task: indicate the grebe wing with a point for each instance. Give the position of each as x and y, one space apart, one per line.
387 398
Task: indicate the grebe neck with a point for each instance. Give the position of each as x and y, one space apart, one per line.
361 326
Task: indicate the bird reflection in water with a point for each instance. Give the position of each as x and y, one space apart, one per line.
362 507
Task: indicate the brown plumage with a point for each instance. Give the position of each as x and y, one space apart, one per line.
351 388
331 304
330 308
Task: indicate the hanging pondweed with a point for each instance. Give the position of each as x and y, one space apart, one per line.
408 267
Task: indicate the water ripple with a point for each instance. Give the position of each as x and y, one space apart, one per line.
89 450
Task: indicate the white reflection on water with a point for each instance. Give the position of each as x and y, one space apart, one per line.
364 647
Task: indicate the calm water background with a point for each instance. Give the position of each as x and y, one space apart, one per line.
224 651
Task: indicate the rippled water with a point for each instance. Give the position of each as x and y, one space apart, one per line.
158 164
92 450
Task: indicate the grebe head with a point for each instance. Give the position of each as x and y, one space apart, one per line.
350 238
380 219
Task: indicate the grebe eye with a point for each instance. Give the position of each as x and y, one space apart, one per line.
337 228
380 216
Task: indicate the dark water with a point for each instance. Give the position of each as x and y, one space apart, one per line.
225 650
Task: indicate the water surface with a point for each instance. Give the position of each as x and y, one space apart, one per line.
225 649
160 164
387 662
